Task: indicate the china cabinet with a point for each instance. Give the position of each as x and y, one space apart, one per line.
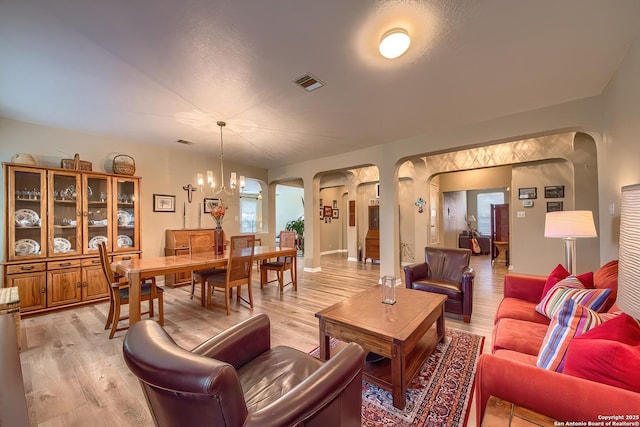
372 239
54 220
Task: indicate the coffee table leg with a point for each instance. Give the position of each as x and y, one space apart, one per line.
440 325
397 380
324 341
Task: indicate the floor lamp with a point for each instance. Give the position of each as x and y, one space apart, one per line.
569 225
629 252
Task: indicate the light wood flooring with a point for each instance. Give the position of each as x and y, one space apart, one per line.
75 376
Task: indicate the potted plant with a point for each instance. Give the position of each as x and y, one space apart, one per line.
296 225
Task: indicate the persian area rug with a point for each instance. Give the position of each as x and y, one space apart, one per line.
439 395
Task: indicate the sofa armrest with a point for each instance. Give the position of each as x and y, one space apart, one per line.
239 344
339 378
559 396
415 272
528 288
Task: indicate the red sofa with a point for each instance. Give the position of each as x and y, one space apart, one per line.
510 371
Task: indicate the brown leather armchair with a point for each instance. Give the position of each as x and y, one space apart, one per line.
447 272
236 379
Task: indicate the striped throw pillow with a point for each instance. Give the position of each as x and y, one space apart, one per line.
571 288
571 320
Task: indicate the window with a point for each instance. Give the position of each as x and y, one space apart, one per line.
485 200
251 207
248 214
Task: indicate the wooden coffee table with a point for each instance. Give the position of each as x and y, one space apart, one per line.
403 333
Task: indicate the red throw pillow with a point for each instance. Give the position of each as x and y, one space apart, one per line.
560 273
556 275
608 354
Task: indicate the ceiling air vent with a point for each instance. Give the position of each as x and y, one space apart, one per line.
308 82
185 142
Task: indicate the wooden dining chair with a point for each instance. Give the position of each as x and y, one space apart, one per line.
119 295
281 264
201 243
238 271
258 243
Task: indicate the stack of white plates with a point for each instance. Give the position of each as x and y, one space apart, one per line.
61 245
27 247
94 242
27 218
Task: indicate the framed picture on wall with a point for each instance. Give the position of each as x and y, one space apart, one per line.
335 213
554 192
554 206
209 204
321 213
164 203
328 211
528 193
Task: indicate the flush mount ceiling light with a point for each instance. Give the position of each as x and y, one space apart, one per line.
394 43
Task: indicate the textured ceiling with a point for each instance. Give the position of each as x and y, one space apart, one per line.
155 71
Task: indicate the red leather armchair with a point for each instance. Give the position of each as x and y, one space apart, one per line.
237 379
447 272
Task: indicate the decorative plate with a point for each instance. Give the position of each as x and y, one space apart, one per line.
124 218
27 217
27 247
61 245
93 243
124 241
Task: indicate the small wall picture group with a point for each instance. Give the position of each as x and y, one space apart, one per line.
554 192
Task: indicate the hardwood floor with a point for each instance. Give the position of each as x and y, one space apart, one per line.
75 376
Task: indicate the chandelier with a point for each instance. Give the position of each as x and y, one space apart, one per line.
211 182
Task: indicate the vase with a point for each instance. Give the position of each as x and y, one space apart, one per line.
218 240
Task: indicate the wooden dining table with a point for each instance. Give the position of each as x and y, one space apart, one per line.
136 270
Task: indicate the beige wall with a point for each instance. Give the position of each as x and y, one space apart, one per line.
619 149
163 171
332 236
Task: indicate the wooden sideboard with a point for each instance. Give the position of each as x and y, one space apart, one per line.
177 243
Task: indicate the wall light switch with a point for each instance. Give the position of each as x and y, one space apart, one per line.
520 214
612 208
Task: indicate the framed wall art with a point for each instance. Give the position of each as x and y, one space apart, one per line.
164 203
328 211
528 193
554 192
554 206
209 204
335 213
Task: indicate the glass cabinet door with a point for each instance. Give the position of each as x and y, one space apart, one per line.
126 215
27 193
97 211
65 216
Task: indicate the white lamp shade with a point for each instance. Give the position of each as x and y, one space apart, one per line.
629 252
569 224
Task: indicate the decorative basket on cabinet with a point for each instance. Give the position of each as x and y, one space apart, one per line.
124 165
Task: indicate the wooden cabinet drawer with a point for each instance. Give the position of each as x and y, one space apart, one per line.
125 257
26 268
69 263
88 262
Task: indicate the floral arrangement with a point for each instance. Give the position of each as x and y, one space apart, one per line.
217 213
